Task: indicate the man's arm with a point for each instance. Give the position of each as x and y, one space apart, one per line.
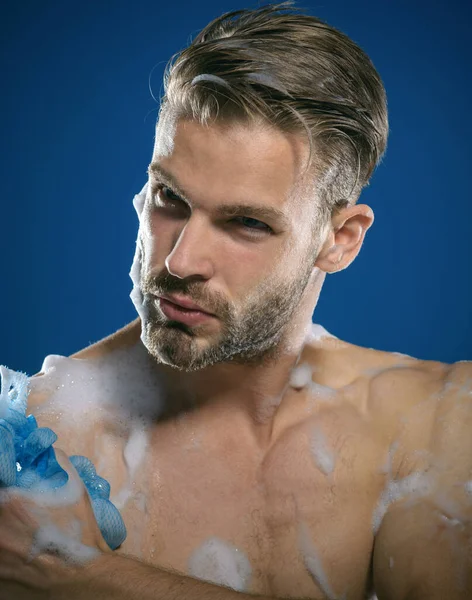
114 577
423 549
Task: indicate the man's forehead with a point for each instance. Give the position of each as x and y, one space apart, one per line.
268 161
166 128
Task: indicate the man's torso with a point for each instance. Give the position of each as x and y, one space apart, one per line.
295 517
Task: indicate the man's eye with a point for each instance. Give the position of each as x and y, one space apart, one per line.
253 224
168 194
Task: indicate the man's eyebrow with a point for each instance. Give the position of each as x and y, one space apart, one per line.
223 210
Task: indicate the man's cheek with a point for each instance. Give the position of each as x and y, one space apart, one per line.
148 252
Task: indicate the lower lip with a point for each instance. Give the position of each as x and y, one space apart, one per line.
185 315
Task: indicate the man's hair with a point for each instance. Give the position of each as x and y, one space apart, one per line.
300 75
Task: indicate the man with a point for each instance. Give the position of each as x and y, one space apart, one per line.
249 451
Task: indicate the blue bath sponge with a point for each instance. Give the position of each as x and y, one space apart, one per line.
27 457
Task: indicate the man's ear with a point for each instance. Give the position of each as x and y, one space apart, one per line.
345 238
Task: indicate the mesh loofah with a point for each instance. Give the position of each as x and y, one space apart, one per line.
28 460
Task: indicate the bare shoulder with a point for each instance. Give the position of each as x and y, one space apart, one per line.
388 374
426 523
412 401
124 337
64 395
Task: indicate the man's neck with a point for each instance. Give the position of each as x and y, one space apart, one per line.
250 393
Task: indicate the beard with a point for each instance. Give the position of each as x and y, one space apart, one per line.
250 335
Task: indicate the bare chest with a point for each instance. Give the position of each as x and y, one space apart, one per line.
294 522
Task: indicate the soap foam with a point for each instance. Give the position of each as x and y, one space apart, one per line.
323 455
43 496
313 562
318 332
403 355
414 486
133 454
301 376
120 389
322 392
50 539
13 391
121 385
218 562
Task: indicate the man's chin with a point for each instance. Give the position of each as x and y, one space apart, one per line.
174 345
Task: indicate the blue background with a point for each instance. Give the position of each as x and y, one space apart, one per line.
76 132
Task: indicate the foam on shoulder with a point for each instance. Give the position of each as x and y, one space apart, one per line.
121 390
318 332
120 384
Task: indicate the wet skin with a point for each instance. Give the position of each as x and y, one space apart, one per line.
298 515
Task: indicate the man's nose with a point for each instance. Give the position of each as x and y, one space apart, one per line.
192 254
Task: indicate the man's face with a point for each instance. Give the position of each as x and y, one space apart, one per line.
249 269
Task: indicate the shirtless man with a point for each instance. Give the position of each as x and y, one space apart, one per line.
249 451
